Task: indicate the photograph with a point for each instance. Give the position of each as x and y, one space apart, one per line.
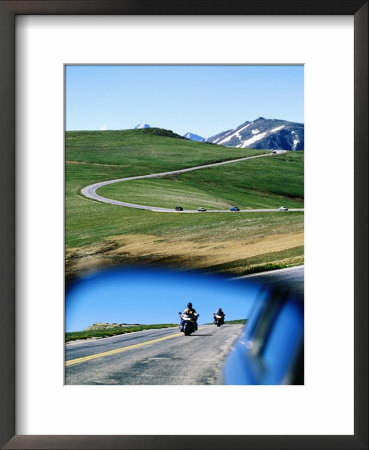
155 241
184 224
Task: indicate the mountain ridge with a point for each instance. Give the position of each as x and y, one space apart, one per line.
261 133
193 137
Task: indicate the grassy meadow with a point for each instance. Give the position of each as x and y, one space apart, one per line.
252 184
88 334
99 235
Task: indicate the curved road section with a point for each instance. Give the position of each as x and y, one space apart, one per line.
90 191
291 278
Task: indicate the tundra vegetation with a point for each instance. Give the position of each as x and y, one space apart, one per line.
112 331
231 322
100 235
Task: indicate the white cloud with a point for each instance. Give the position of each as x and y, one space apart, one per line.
104 127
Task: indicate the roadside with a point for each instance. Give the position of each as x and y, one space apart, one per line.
108 331
167 360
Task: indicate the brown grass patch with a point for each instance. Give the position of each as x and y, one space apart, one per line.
147 249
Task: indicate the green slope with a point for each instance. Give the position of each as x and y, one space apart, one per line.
99 234
257 183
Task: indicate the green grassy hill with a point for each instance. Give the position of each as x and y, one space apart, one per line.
99 234
259 183
140 151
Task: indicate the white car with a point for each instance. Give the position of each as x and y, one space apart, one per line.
283 208
201 209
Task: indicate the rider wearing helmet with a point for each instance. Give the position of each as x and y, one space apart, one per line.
220 312
219 316
192 311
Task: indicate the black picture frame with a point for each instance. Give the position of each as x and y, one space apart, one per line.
8 12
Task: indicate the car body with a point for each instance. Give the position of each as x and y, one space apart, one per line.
235 208
179 208
270 349
274 151
283 208
201 209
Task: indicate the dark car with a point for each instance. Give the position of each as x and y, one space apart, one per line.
235 208
179 208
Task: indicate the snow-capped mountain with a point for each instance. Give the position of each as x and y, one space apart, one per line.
272 134
142 125
193 137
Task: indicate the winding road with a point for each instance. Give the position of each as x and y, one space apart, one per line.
90 191
291 278
164 356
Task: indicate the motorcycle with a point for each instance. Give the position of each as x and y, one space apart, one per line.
188 323
218 320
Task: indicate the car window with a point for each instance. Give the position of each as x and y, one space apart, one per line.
283 341
259 331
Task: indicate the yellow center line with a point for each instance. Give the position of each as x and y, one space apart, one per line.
72 362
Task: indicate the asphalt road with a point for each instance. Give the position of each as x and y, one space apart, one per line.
166 356
90 191
153 357
291 279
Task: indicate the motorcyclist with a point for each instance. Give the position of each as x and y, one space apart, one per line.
191 311
219 313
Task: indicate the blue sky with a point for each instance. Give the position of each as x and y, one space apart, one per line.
204 100
153 296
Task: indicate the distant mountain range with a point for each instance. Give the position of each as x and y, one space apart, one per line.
193 137
272 134
261 133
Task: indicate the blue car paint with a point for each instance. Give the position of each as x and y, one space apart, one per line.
270 348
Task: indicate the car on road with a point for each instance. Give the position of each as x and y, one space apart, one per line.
201 209
274 151
235 208
283 208
179 208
